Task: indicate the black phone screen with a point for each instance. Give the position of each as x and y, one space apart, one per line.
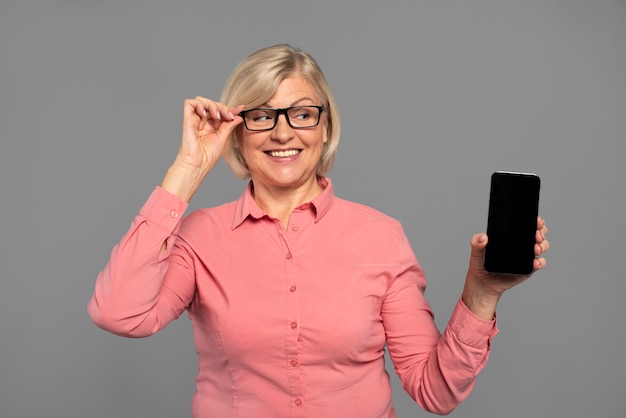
512 223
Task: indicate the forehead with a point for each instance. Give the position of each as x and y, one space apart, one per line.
295 89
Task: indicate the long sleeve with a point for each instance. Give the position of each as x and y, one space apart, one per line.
142 288
438 373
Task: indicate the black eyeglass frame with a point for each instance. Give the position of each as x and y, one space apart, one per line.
282 111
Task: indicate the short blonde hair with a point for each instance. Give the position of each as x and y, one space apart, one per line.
255 80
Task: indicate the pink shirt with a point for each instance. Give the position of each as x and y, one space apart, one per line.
290 322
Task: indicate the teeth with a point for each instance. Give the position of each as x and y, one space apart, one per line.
288 153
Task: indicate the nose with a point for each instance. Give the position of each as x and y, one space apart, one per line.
282 132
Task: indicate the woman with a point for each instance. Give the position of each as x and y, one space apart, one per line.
292 292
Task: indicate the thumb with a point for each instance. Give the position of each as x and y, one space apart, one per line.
228 126
478 243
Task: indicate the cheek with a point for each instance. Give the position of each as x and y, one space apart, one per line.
242 139
249 142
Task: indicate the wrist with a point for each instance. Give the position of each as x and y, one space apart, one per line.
480 301
183 180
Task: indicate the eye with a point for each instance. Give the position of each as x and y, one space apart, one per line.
302 114
261 115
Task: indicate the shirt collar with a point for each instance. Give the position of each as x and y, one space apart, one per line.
246 206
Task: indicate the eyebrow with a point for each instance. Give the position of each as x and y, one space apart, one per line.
292 104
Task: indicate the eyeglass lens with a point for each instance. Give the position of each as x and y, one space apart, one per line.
297 116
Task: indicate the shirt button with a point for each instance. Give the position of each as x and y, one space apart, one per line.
295 228
293 363
174 214
292 289
288 256
298 402
293 325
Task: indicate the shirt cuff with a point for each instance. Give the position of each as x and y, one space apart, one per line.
164 208
471 329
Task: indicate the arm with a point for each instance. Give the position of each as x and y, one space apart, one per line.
148 280
142 288
437 371
440 372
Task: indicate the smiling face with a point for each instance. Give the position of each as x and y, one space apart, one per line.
284 157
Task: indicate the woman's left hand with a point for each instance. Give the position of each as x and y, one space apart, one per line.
483 289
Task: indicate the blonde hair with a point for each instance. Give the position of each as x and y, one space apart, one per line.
255 80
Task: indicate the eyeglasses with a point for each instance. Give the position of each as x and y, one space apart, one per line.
265 119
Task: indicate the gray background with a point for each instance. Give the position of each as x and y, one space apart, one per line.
434 96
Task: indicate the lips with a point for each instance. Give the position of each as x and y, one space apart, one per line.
283 154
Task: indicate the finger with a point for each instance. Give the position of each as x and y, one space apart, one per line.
228 113
542 247
220 111
233 112
539 263
227 126
210 110
478 242
539 237
196 115
192 107
207 109
192 116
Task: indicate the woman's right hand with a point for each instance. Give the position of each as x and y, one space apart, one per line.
207 126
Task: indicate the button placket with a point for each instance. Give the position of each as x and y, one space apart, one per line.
292 330
300 218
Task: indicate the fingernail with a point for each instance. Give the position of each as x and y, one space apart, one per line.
219 117
231 115
482 238
204 111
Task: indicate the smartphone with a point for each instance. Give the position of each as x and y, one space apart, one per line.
512 223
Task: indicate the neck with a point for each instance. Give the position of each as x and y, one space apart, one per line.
279 202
